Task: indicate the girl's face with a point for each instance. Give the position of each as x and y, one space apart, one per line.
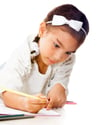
55 46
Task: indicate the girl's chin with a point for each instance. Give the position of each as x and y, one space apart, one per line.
47 62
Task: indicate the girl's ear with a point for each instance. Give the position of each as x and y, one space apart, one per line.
42 29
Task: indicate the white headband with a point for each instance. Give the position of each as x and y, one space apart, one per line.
61 20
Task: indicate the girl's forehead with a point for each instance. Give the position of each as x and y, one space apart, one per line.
61 33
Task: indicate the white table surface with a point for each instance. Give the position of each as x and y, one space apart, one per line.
78 114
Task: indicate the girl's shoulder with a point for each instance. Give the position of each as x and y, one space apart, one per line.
68 62
65 66
20 58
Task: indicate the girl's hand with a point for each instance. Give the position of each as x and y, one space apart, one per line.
56 97
23 103
34 105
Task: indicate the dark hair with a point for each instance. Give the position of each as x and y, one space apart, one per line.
70 12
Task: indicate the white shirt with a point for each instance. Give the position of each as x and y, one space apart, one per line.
22 75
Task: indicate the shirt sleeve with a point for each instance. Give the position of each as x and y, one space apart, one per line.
61 74
11 76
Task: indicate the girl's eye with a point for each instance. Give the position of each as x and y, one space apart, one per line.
68 53
56 45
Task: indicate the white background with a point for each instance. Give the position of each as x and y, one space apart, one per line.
19 18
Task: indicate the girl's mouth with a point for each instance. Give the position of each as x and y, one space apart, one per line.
51 61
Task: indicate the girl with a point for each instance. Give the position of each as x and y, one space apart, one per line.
42 65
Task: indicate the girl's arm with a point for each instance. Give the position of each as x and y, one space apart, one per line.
58 86
19 102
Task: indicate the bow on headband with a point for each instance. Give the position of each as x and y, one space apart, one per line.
61 20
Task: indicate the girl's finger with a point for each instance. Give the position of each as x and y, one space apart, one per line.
50 105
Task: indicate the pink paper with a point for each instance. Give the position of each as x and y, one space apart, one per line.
70 102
